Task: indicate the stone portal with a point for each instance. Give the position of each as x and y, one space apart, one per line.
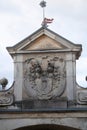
44 94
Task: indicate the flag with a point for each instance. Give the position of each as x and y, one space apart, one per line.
47 21
43 4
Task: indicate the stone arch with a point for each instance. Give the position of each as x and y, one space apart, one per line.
46 127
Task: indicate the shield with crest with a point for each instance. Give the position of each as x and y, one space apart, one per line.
44 78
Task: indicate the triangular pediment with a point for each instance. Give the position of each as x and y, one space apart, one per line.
44 43
44 39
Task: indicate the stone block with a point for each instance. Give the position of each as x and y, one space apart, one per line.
44 104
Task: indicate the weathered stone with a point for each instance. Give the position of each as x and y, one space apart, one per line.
45 88
44 104
3 82
44 65
7 96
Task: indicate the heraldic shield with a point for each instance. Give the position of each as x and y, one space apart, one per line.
44 77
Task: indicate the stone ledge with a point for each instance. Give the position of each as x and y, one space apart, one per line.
46 115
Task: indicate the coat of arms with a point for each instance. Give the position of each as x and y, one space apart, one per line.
44 77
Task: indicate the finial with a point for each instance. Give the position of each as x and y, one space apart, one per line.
43 5
45 20
86 78
3 82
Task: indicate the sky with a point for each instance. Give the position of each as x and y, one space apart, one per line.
20 18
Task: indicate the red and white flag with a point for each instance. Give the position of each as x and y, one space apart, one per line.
47 21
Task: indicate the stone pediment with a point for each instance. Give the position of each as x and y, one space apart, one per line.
44 43
44 39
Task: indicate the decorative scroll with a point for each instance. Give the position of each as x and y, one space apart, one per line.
44 77
82 97
6 97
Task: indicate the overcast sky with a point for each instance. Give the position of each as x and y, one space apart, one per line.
20 18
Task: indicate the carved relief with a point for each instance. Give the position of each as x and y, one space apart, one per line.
44 77
7 97
82 97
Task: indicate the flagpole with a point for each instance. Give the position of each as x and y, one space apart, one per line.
45 20
43 5
43 13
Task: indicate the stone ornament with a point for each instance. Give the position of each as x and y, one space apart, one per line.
86 78
7 97
82 97
44 77
3 82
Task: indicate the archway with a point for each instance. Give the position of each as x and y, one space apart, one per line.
46 127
